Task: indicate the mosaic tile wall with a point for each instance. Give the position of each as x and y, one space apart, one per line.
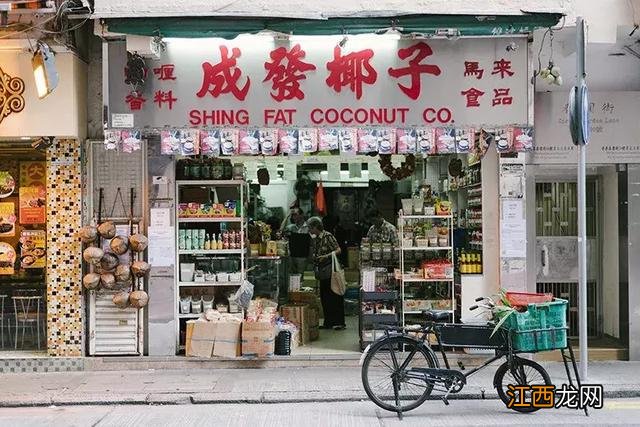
64 251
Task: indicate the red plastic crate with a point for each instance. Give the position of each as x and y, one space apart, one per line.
522 299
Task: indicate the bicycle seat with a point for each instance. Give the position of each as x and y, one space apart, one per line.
436 315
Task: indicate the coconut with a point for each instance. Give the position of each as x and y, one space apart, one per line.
120 285
109 261
108 281
93 255
107 230
123 273
119 245
121 299
88 234
138 242
91 281
140 268
138 299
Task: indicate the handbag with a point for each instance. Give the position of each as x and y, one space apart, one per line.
324 271
338 282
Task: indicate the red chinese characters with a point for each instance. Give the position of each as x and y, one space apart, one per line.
415 69
135 100
161 97
285 71
501 97
473 96
224 76
165 72
503 68
472 68
353 70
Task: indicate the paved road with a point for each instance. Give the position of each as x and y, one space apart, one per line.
351 414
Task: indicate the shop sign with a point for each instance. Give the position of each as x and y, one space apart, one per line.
33 249
33 202
33 173
321 82
7 219
615 129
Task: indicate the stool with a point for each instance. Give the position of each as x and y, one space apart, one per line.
27 312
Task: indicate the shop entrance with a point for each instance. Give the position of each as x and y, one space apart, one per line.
557 249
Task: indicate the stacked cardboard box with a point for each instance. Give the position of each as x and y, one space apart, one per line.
305 318
258 339
206 339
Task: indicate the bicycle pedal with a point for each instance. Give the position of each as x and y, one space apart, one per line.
461 365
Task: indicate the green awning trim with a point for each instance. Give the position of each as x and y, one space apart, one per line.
230 27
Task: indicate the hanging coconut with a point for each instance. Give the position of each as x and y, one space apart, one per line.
123 285
138 299
93 255
107 230
123 273
138 242
88 234
121 299
109 261
119 245
140 268
91 281
108 281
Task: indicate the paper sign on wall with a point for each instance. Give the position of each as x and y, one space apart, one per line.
7 219
33 201
33 253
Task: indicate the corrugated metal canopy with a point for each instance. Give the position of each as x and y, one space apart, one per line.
323 9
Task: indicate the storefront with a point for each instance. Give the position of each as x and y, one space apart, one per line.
40 206
233 133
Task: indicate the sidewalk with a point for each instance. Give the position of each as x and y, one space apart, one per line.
269 385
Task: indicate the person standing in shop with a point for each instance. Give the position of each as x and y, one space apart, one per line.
323 247
382 231
298 235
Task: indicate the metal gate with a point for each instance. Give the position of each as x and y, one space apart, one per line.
557 249
113 331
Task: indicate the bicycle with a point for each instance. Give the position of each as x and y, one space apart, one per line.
409 370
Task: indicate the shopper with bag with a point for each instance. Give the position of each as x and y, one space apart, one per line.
324 251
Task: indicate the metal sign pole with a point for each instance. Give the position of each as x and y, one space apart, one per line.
582 203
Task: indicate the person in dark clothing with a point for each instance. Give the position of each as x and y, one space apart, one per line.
323 246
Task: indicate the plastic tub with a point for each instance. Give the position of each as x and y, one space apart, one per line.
542 327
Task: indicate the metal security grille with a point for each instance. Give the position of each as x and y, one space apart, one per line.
113 170
569 291
557 211
114 331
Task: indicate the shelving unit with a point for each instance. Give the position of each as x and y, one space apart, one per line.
238 190
368 322
408 281
473 241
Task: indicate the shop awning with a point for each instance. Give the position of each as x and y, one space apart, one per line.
228 19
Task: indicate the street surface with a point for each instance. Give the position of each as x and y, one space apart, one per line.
351 414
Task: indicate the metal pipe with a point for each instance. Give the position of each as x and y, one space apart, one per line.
582 211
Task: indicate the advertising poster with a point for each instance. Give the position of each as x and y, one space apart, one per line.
33 174
34 249
7 219
7 258
33 202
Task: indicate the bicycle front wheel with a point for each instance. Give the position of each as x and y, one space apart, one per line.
386 384
524 372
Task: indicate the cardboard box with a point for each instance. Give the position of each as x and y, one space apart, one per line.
305 298
303 317
201 337
227 339
314 324
258 339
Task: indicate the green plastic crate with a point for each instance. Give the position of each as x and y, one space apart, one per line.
542 327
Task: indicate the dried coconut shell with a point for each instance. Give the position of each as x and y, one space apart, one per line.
119 245
140 268
91 281
107 230
138 242
123 273
108 281
138 299
88 234
93 255
121 299
109 261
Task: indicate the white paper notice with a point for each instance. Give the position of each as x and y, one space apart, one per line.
121 120
161 246
512 210
513 242
160 217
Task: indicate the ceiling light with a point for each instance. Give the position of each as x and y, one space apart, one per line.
44 70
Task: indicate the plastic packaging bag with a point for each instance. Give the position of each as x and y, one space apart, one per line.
243 295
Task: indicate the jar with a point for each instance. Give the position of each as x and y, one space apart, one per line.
238 171
217 169
195 170
206 170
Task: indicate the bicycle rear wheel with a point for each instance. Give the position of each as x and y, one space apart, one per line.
524 372
382 379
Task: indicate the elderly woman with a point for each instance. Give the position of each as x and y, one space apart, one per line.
323 246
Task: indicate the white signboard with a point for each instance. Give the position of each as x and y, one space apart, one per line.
615 129
318 81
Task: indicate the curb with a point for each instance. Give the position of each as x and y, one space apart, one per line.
213 399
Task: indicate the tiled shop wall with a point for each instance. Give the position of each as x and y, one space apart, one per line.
64 251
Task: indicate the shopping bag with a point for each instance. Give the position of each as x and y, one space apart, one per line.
338 282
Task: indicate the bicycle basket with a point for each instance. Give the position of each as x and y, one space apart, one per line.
542 327
523 299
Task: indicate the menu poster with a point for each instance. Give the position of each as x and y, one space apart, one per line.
7 184
33 174
7 259
7 219
33 202
34 249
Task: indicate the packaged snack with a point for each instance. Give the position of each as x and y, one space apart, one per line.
328 139
367 141
112 139
229 142
406 139
504 140
131 141
210 142
190 142
249 141
288 141
386 141
465 140
445 140
348 141
308 140
522 139
170 141
230 208
425 141
268 141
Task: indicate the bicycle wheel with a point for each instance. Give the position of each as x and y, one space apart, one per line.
380 377
525 372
